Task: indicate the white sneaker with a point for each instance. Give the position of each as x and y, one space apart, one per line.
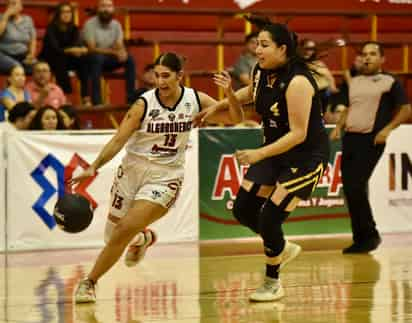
137 249
271 290
290 252
85 292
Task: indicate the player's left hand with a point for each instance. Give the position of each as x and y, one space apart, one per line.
248 156
381 137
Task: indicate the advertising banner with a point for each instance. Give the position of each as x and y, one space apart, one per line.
38 166
221 176
2 191
391 184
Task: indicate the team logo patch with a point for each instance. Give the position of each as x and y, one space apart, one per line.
154 113
172 117
156 195
272 124
188 107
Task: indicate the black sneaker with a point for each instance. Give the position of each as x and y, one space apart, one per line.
363 247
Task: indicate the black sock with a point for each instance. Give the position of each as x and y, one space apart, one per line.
272 271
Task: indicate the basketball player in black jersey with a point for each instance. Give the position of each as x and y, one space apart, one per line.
289 164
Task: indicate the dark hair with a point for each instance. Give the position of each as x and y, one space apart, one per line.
379 45
72 113
20 110
279 33
57 13
303 43
170 60
251 35
10 71
149 67
36 122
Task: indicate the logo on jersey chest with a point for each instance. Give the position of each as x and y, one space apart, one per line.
171 117
154 113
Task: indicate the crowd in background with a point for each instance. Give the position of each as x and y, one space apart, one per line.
96 48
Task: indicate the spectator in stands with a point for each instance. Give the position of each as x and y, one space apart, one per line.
15 91
245 63
323 76
21 115
376 104
63 50
335 109
104 38
148 81
43 92
47 118
69 116
17 38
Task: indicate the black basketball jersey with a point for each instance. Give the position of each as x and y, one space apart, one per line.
269 94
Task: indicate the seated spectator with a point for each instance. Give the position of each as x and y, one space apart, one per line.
69 117
21 115
17 38
43 92
104 38
47 118
15 91
323 76
63 50
148 81
243 67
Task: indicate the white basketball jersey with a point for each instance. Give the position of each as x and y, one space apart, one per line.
164 132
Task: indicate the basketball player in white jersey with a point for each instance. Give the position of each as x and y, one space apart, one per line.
156 130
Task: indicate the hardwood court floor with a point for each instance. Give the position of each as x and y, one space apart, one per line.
174 284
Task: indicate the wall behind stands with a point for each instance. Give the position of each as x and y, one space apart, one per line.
291 4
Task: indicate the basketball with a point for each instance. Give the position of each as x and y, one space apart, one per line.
73 213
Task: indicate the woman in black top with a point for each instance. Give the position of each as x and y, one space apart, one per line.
63 50
289 164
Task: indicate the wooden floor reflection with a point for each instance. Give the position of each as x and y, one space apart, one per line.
174 284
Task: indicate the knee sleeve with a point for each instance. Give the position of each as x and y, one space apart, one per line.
247 207
270 225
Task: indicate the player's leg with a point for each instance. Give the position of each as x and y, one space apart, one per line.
249 201
140 214
293 185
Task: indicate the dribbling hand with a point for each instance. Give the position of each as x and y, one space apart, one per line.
90 172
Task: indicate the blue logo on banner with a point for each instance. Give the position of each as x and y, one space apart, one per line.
48 189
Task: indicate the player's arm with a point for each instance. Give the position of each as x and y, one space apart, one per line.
299 102
218 112
130 123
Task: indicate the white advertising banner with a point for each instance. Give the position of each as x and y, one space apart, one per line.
2 190
391 184
38 166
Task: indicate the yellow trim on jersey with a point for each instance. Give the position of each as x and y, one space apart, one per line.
299 179
313 180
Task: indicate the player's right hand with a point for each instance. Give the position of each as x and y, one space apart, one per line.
335 134
90 172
